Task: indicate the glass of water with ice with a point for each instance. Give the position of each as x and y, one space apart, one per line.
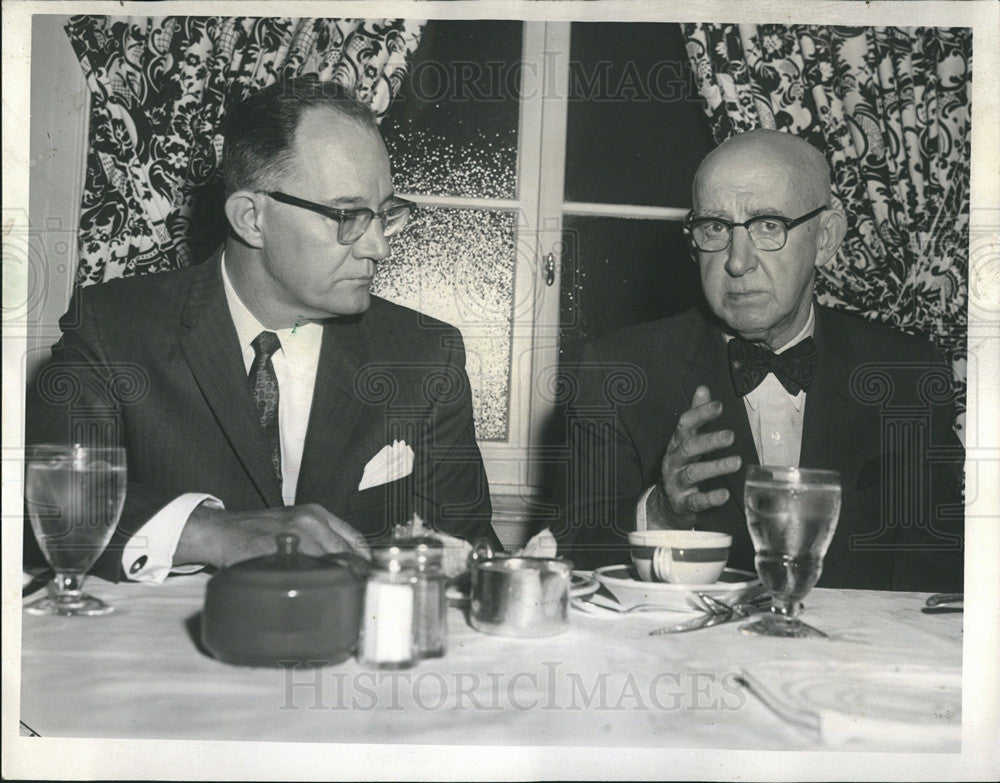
792 514
74 497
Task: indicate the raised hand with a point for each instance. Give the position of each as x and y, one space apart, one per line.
683 469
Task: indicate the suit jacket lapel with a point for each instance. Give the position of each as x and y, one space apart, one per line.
709 366
829 404
334 417
211 348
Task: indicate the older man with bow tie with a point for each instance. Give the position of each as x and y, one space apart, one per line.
274 393
767 376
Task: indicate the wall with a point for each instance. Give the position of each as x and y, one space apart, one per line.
58 144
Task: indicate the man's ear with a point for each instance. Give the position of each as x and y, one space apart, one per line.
243 210
832 227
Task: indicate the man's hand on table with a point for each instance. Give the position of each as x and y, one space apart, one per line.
218 537
682 469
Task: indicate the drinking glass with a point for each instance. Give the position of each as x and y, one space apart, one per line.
74 496
792 515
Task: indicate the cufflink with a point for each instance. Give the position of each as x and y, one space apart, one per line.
137 566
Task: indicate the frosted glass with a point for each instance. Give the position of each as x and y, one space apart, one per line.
452 130
457 265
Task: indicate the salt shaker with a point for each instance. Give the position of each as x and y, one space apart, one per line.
388 639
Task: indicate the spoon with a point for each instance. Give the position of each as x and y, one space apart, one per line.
695 624
589 606
944 598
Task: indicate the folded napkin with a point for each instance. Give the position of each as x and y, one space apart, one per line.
892 706
541 545
393 462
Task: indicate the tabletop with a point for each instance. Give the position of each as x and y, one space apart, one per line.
139 673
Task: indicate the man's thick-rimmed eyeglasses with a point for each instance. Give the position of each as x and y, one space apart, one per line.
767 232
353 223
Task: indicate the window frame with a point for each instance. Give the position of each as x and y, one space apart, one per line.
515 466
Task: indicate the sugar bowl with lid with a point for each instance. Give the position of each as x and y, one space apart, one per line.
285 609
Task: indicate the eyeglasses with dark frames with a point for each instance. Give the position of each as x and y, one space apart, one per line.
767 232
353 223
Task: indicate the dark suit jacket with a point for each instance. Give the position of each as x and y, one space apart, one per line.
154 362
880 411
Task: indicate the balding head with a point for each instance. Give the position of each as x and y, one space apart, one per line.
786 155
782 184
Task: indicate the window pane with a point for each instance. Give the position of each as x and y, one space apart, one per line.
616 273
635 128
452 130
458 265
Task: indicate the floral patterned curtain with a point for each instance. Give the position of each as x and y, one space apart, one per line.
890 109
158 87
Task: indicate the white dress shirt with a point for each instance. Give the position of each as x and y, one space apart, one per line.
148 556
775 418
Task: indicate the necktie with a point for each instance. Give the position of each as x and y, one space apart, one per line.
750 363
264 383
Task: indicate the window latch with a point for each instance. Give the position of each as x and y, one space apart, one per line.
550 268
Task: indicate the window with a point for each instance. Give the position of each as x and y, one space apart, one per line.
552 163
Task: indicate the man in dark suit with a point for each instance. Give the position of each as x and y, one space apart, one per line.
668 415
267 390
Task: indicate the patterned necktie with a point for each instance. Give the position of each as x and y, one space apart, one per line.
750 363
264 383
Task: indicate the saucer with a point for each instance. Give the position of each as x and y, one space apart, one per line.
624 584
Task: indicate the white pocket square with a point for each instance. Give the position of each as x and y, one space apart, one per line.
391 463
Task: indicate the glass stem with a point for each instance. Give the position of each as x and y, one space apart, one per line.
69 587
787 609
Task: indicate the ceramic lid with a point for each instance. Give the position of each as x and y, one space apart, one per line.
290 567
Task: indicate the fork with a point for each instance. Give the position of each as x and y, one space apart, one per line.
719 612
743 608
736 612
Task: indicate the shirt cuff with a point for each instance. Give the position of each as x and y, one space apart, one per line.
149 554
651 512
641 514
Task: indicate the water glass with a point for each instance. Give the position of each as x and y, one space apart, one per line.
792 515
74 495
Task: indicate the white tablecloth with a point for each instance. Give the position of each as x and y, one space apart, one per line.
138 673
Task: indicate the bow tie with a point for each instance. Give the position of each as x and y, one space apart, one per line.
750 363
